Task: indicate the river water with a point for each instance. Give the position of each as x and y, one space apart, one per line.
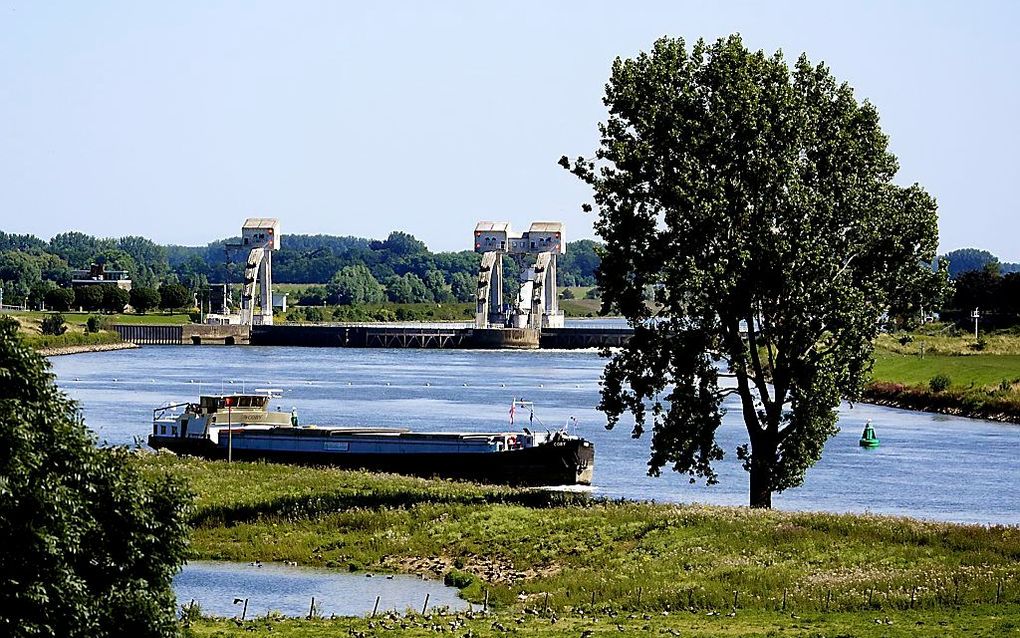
928 466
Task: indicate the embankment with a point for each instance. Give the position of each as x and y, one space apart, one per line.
972 403
78 349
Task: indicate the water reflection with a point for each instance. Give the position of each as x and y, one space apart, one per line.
271 587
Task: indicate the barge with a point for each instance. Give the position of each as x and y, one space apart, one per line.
242 427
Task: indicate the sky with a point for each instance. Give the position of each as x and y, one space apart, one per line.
177 120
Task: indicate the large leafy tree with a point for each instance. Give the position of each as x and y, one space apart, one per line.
90 547
756 201
354 285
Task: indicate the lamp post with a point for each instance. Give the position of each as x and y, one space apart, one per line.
975 316
229 401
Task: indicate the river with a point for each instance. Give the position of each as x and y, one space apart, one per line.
928 466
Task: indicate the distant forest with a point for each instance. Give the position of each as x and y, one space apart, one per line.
404 267
399 268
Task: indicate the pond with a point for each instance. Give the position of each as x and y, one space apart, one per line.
271 587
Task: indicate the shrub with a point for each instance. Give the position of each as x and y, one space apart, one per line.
458 579
939 383
93 324
54 324
594 293
567 294
980 344
905 339
314 314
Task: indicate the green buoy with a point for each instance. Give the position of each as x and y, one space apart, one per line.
868 439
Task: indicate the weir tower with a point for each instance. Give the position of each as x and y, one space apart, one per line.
536 305
261 236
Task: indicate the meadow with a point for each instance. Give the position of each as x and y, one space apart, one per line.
535 555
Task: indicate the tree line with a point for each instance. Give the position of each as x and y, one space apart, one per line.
340 270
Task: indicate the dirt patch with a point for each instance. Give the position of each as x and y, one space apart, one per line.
494 570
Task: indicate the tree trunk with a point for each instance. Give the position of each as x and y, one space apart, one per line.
761 483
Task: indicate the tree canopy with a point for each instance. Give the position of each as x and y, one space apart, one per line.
90 548
354 285
756 200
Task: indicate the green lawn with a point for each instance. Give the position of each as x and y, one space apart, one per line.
979 369
79 318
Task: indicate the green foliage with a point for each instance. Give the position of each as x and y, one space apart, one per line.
939 383
970 259
458 579
114 298
593 293
93 324
174 296
463 286
757 201
18 271
408 288
567 294
89 297
60 299
144 299
90 546
354 285
54 325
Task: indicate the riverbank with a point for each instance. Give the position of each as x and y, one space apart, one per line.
79 349
948 375
529 551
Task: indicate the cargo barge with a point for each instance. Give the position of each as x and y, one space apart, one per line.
242 427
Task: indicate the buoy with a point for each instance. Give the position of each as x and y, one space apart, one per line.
868 438
427 384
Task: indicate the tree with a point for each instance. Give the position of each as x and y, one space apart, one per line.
18 271
60 299
90 547
463 286
354 285
114 298
757 202
408 288
144 299
89 297
38 292
436 285
977 289
173 296
969 259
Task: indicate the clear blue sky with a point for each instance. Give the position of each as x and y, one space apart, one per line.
176 120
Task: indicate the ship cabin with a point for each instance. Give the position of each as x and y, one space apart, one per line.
196 420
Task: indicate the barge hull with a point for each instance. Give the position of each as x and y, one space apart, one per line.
561 463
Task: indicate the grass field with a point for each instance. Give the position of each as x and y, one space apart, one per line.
646 567
997 622
79 318
976 370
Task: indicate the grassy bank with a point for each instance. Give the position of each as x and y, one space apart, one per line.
979 622
533 550
942 372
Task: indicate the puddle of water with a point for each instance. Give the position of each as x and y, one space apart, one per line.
215 585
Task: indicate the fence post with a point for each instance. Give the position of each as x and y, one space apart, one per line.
376 608
426 605
311 608
784 599
485 602
734 598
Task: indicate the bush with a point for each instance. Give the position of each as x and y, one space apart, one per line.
458 579
980 344
90 546
594 293
939 383
567 294
94 324
905 339
54 325
314 314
